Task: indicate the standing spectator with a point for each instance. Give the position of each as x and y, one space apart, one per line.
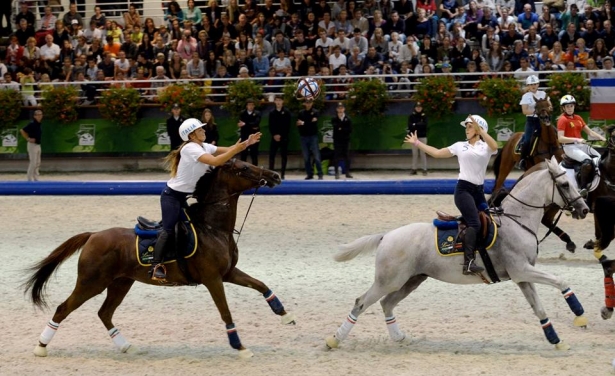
212 136
250 123
32 133
173 124
279 127
307 124
342 128
132 17
417 123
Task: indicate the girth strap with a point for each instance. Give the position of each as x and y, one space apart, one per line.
484 255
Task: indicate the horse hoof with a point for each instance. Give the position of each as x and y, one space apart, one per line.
245 354
399 337
571 247
606 313
580 321
40 351
332 342
129 349
289 318
589 245
562 346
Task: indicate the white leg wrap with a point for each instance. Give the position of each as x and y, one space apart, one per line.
346 327
394 332
49 332
119 340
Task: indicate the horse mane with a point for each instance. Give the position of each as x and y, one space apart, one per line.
205 184
503 192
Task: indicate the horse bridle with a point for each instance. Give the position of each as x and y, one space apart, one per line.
567 203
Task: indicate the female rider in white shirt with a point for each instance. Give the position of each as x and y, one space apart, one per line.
473 154
188 164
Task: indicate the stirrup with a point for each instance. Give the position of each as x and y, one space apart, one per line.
159 275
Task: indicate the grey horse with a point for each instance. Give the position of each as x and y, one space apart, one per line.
406 256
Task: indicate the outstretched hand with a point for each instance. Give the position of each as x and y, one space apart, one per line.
254 138
411 138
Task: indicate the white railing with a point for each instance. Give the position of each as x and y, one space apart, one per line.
397 90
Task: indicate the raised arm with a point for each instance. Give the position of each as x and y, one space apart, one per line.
436 153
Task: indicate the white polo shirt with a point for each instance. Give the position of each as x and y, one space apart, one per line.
190 170
528 98
473 160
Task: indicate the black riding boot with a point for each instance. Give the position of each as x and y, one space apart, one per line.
158 271
469 247
586 174
525 153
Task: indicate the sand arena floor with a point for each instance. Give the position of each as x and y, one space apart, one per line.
288 242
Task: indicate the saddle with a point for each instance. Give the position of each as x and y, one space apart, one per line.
533 142
450 235
147 234
584 174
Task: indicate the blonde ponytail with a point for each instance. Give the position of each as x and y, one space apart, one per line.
171 161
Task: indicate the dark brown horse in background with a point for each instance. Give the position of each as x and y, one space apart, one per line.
604 221
606 186
547 146
108 259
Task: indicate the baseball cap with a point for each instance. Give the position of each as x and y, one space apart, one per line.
446 65
607 58
74 22
340 104
175 106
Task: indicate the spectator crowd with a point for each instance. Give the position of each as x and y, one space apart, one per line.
342 41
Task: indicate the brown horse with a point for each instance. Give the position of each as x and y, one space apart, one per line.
605 232
547 146
108 259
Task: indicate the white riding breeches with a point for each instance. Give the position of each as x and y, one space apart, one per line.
581 152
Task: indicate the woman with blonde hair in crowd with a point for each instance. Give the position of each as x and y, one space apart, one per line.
31 51
557 56
211 128
232 11
590 65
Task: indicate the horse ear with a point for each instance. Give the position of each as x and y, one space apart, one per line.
553 161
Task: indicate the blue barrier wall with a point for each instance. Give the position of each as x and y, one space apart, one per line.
129 188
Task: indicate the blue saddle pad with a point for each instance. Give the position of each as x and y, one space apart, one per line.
446 237
186 242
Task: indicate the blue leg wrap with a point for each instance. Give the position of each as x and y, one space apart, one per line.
549 331
573 302
274 302
233 337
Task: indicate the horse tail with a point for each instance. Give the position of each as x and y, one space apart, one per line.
605 222
364 244
47 267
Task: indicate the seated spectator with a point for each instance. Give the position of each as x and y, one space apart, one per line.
115 32
299 64
244 43
129 47
359 22
342 23
460 55
23 32
229 60
282 65
225 45
394 48
379 42
524 71
373 59
508 38
336 59
186 45
60 34
590 35
581 54
195 67
31 51
517 53
96 50
423 61
86 89
488 39
173 13
444 50
319 58
546 18
112 46
141 82
263 44
136 35
45 26
132 18
469 82
107 67
355 61
92 32
599 52
260 64
590 65
72 15
28 84
409 52
92 69
570 35
82 47
342 42
324 41
359 41
164 35
158 82
8 83
528 19
160 48
548 37
607 68
557 56
14 53
542 58
505 19
219 86
121 64
25 14
473 16
99 18
488 20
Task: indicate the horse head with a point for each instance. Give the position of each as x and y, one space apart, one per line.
543 111
569 197
231 179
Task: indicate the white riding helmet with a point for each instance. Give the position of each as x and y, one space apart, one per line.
531 80
478 119
189 126
567 99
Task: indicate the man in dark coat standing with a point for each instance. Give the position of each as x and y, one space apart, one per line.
249 123
279 127
342 128
173 124
417 122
